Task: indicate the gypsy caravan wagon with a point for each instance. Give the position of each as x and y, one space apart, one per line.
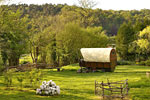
104 59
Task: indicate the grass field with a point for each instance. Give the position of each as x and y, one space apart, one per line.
80 86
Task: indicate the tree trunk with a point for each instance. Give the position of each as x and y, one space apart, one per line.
13 61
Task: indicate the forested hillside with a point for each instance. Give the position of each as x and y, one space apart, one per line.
110 20
55 33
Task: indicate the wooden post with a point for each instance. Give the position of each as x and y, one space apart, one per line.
121 91
95 88
109 86
102 90
58 69
127 86
81 69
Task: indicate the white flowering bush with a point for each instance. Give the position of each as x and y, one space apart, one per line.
48 88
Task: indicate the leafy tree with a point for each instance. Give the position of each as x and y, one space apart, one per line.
144 41
125 36
39 36
13 36
73 38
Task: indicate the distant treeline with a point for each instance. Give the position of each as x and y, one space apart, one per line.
110 20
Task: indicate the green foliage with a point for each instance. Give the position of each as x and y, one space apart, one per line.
141 63
124 37
123 62
143 41
147 62
110 20
20 79
51 33
12 35
34 77
8 77
73 37
1 65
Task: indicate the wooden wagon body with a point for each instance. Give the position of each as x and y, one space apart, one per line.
99 58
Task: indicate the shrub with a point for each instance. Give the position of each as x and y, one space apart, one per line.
48 88
141 63
20 79
147 62
1 68
8 77
123 62
34 77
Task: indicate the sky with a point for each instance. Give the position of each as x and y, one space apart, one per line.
102 4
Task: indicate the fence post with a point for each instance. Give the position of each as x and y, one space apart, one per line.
109 86
121 91
95 87
102 90
127 86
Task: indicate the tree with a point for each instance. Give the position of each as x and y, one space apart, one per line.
13 36
73 37
87 3
144 41
39 36
125 36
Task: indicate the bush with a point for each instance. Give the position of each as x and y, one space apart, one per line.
147 62
1 68
141 63
20 79
48 88
123 62
34 76
8 77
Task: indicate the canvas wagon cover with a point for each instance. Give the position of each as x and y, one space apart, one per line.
96 54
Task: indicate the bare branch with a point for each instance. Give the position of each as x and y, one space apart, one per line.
87 3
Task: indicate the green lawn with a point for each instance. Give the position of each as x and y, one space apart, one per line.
80 86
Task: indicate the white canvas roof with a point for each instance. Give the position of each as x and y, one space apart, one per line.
96 54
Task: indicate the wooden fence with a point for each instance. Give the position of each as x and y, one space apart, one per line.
117 89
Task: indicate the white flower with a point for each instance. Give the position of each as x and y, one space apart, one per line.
53 84
43 87
38 91
50 81
48 88
58 90
57 87
53 91
46 92
44 83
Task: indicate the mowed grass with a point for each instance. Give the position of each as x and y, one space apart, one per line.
80 86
